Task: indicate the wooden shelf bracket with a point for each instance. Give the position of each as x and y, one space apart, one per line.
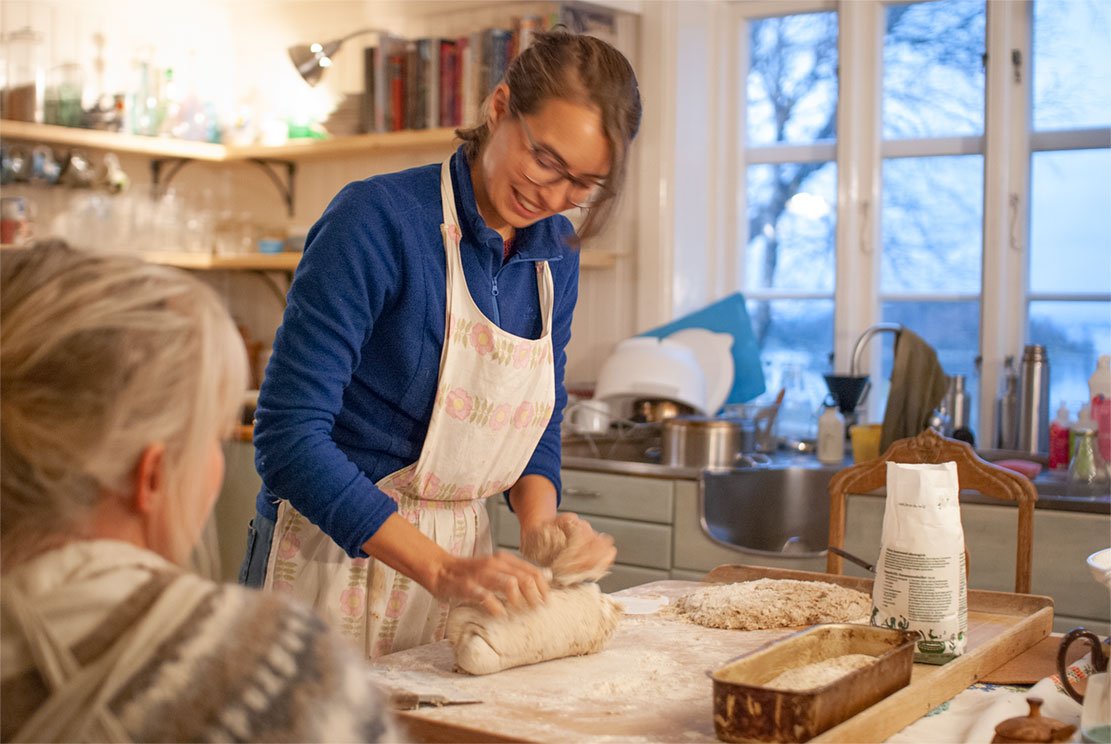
285 188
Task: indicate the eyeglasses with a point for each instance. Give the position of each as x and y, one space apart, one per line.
548 170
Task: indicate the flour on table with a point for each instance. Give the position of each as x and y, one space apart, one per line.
573 621
771 603
820 673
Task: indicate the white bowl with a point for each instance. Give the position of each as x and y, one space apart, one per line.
1099 563
648 367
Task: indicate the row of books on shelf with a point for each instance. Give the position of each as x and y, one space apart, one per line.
437 82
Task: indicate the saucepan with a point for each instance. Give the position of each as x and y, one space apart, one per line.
705 442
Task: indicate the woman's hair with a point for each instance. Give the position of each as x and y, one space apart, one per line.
582 69
100 356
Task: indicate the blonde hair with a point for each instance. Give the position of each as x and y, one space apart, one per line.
562 65
100 356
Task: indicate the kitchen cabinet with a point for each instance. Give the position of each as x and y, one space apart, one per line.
696 553
637 512
654 523
1062 542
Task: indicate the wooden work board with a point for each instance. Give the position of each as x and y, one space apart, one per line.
650 683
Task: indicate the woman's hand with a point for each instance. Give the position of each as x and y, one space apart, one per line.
492 582
571 547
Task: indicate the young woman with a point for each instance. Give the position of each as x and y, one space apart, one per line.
120 379
419 366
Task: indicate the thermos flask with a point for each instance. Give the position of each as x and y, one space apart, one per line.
1006 412
1033 406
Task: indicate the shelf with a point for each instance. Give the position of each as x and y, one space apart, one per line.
165 147
210 262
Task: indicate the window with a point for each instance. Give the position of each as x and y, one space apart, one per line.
931 222
791 195
1069 288
915 88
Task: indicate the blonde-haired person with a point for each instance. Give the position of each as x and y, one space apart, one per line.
119 381
419 366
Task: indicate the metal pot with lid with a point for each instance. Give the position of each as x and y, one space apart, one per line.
705 442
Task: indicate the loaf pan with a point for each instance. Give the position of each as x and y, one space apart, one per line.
746 710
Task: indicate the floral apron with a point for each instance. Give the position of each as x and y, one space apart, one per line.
494 398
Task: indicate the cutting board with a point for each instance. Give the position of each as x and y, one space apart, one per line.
651 684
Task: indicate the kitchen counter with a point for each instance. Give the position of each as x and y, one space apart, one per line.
632 453
650 682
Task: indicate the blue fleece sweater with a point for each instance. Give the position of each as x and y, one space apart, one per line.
349 389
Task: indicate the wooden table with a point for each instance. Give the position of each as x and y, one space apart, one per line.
650 683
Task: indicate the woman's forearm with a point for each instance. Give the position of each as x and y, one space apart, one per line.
533 499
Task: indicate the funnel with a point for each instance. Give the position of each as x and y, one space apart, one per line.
849 392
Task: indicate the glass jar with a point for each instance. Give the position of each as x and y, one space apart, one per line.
25 77
1088 476
62 98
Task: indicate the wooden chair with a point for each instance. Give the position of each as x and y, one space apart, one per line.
973 473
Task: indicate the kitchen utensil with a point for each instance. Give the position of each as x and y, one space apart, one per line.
727 315
1099 564
853 559
653 411
647 367
849 391
1033 400
588 416
800 715
1099 662
714 354
704 442
404 700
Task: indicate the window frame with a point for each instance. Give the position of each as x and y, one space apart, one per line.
1007 147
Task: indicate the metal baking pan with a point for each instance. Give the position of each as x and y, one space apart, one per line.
746 710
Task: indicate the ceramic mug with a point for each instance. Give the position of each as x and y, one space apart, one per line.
589 417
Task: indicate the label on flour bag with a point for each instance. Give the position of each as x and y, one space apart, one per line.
920 575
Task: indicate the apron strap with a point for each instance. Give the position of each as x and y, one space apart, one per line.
77 708
447 194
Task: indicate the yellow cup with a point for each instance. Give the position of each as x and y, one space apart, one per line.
866 441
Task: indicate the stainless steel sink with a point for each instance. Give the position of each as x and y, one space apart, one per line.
775 510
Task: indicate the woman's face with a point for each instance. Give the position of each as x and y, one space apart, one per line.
539 164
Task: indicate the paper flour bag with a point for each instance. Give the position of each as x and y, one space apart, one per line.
920 581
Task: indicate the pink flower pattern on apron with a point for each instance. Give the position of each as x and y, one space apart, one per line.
494 399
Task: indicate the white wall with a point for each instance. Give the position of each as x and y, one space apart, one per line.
235 53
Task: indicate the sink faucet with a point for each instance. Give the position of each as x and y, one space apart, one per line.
861 343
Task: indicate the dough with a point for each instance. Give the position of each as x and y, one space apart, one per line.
575 620
772 603
558 546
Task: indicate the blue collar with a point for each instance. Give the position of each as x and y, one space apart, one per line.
538 242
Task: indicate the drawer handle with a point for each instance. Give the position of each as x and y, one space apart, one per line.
580 492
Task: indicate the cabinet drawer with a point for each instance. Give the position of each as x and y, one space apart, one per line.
622 577
638 543
623 496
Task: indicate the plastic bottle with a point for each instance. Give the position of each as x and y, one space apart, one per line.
1083 422
1059 439
1099 388
831 435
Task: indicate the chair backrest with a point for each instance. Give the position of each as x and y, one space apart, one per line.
973 473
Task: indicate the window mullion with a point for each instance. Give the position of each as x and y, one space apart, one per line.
1006 198
860 53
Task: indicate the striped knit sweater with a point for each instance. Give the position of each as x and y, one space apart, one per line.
244 666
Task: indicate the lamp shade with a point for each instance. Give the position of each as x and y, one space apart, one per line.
312 59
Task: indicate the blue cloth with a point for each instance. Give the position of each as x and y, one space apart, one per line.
349 389
727 315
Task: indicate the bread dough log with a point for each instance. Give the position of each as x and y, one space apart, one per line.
558 546
574 621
